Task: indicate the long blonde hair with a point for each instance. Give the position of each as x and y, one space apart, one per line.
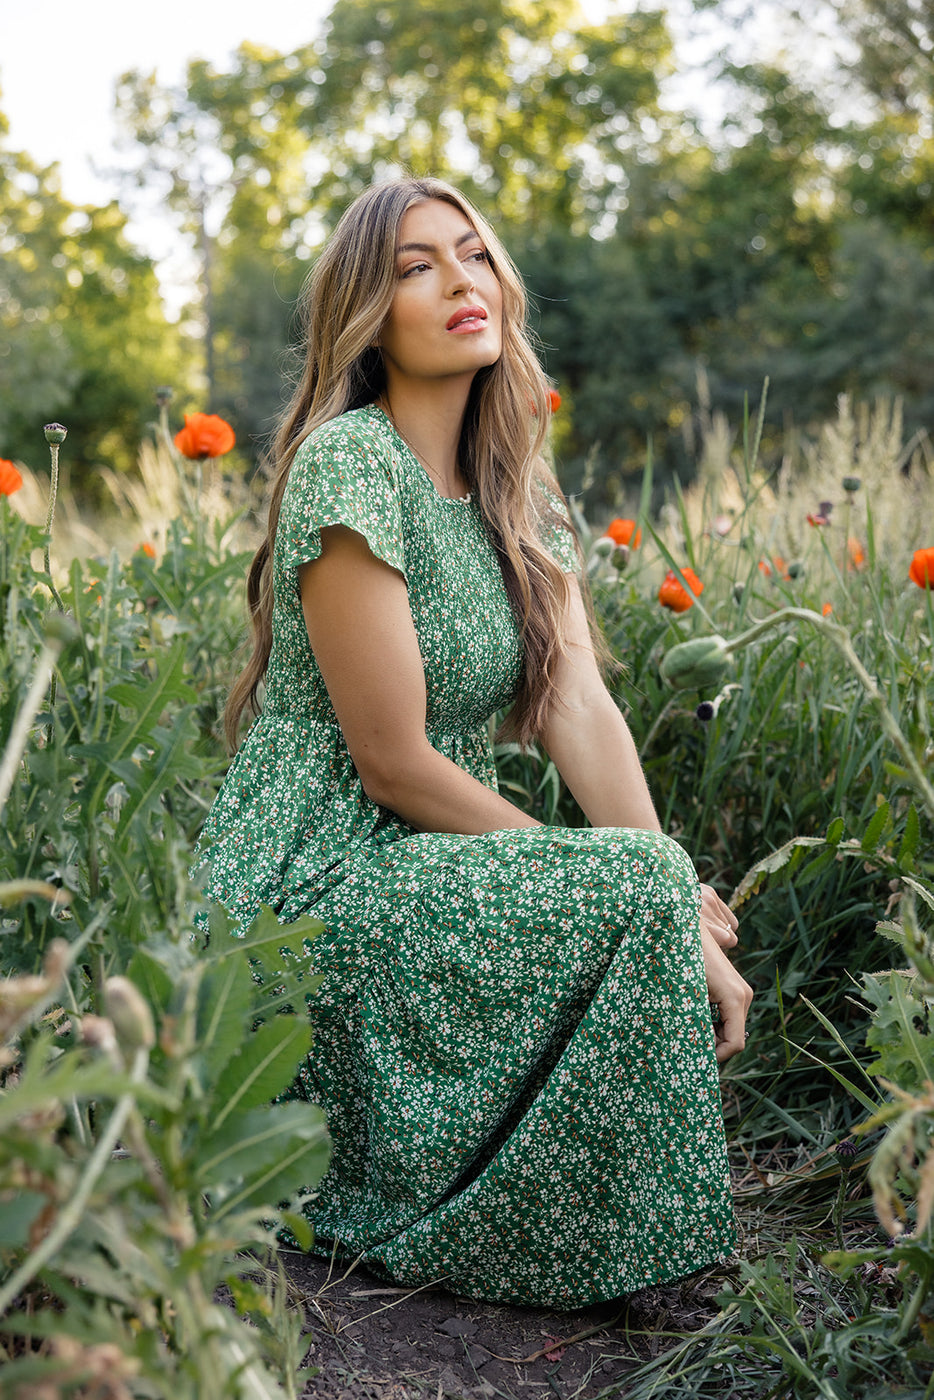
343 306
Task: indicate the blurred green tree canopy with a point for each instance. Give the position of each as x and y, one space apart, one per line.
790 239
83 334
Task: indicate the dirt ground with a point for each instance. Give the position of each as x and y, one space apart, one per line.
371 1341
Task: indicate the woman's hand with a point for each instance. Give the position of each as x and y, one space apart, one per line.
729 993
717 918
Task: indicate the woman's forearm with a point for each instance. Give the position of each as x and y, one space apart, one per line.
593 750
432 793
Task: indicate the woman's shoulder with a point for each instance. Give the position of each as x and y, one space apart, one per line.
360 433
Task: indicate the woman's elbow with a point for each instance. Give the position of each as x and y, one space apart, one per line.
386 778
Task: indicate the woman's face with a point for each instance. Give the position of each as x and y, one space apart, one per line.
446 318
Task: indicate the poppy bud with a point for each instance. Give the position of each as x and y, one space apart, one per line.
130 1014
851 483
55 432
704 661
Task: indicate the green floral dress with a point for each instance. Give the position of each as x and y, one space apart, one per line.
513 1042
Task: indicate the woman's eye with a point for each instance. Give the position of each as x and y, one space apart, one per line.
480 255
416 267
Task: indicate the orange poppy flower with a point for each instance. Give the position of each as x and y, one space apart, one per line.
777 566
148 549
554 400
10 478
857 555
674 596
921 571
623 531
826 610
204 435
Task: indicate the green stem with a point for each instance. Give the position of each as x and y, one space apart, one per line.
53 497
19 735
70 1216
913 1309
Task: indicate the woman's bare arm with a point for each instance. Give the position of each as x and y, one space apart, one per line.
361 632
588 738
590 743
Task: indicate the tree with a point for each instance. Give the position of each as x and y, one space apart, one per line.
83 335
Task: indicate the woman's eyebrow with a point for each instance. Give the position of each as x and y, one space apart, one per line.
431 248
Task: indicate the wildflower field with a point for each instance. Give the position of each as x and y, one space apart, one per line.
774 629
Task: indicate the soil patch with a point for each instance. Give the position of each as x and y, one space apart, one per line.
372 1341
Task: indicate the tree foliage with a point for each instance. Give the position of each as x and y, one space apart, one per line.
792 242
83 334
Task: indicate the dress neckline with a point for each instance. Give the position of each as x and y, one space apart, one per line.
452 500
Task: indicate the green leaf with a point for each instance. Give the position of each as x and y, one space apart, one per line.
266 932
911 837
265 1067
835 831
17 1215
264 1156
923 890
299 1227
879 823
151 978
901 1032
773 864
224 1000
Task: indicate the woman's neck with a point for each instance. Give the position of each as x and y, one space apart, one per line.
430 425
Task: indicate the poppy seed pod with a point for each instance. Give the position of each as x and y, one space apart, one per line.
130 1014
55 432
696 664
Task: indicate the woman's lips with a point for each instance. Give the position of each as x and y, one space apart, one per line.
467 319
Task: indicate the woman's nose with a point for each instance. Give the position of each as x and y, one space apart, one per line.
461 279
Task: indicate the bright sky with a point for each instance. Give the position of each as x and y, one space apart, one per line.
59 60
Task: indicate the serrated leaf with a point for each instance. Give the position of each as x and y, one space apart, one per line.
880 821
266 931
264 1156
772 864
265 1067
901 1034
926 893
224 1000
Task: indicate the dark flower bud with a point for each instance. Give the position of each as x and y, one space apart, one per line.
846 1151
796 569
851 483
705 711
164 395
55 432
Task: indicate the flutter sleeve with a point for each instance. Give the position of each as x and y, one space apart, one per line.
342 475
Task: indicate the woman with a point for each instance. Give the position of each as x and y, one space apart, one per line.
513 1036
